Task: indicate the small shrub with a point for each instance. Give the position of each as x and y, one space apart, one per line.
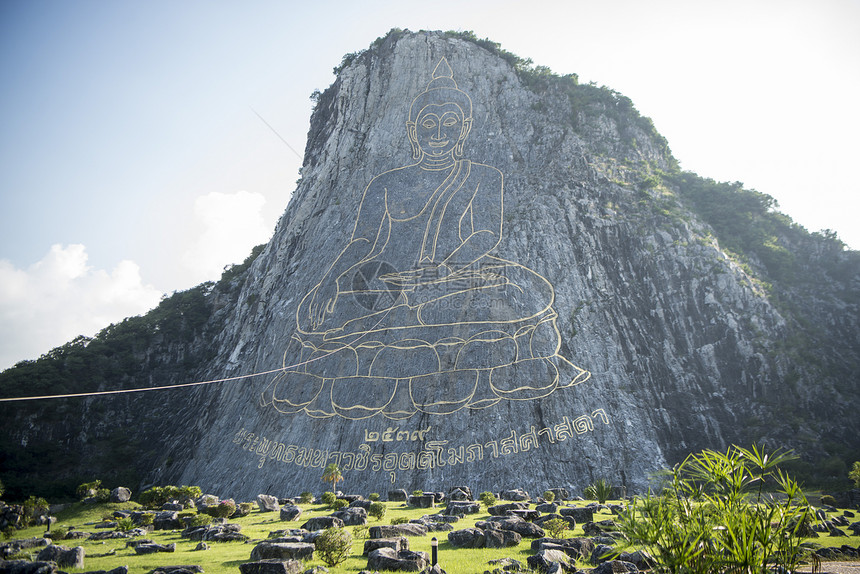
59 533
124 524
243 509
340 504
549 496
225 509
360 531
9 532
306 497
333 546
555 527
198 520
376 510
374 496
103 495
328 498
417 493
146 519
87 489
828 500
487 498
600 491
400 520
854 475
34 507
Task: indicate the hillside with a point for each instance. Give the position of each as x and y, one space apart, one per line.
679 313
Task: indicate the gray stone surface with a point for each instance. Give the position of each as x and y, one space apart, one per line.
272 567
282 551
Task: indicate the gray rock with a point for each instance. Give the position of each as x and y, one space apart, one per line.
517 494
120 494
267 503
322 522
544 560
282 551
615 567
396 544
547 508
290 513
63 556
154 548
601 553
390 560
398 495
460 493
560 493
502 509
352 516
461 508
467 538
178 569
501 538
27 567
272 567
580 515
395 530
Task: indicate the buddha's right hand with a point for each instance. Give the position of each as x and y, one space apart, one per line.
322 304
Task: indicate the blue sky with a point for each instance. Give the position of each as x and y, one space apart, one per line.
133 162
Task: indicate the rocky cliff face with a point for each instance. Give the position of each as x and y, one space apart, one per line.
572 316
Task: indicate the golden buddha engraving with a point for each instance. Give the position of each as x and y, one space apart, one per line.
417 313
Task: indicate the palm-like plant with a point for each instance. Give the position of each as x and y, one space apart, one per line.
332 474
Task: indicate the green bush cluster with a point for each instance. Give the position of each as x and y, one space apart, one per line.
555 527
374 496
88 489
340 504
549 495
157 496
306 497
599 490
716 515
376 510
328 498
333 546
487 498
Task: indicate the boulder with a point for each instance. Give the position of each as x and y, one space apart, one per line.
167 520
172 506
272 567
526 514
117 570
397 544
460 493
398 495
599 528
361 503
571 523
615 567
560 493
514 524
27 567
394 530
502 509
267 503
282 551
290 513
154 548
120 494
423 501
576 548
581 515
391 560
501 538
601 553
215 533
461 508
466 538
547 508
62 555
546 560
180 569
323 522
516 494
352 516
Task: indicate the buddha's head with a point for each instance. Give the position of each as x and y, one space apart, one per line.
440 117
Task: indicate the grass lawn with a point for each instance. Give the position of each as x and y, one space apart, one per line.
225 557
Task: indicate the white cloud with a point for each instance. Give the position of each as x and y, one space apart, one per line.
229 226
60 297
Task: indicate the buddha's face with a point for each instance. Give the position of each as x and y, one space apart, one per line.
439 128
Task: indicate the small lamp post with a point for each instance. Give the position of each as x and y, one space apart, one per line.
434 551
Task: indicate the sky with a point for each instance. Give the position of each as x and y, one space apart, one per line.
146 145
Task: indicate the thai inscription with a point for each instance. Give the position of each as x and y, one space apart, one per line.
430 454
